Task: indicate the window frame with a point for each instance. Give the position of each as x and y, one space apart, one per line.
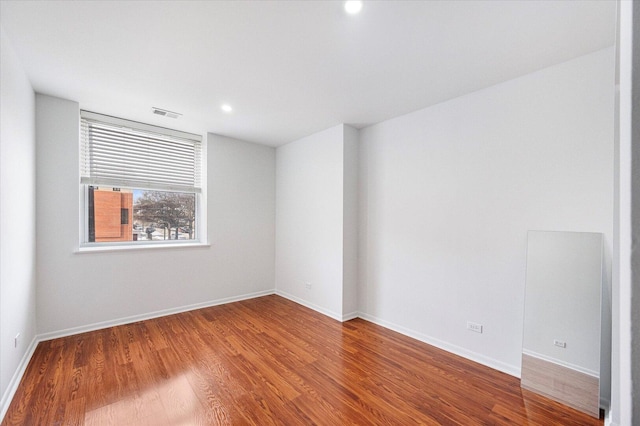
199 238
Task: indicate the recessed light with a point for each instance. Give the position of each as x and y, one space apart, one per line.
226 108
353 6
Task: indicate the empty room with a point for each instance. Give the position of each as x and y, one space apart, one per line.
318 212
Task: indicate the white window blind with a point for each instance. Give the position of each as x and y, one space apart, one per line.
122 153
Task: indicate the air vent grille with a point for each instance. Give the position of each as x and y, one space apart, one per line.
165 113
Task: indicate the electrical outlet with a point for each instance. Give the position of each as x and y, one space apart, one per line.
307 284
474 326
560 343
16 340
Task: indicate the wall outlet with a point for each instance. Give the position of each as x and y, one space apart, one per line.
560 343
16 340
307 285
474 326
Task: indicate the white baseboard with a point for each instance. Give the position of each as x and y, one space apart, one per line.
352 315
457 350
17 376
608 421
309 305
149 315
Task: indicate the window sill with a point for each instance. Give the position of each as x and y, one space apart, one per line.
135 247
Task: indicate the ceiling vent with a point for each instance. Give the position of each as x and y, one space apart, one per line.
165 113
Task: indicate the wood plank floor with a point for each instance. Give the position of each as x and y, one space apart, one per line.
266 361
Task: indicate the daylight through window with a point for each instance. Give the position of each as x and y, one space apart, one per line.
141 183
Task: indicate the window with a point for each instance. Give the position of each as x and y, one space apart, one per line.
141 183
124 216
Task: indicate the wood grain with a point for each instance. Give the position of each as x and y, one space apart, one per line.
266 361
573 388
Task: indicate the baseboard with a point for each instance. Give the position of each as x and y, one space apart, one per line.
156 314
608 421
352 315
465 353
7 397
309 305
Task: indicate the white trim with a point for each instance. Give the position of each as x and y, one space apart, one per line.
303 302
149 315
608 421
110 247
605 405
7 397
457 350
622 406
564 364
350 316
201 199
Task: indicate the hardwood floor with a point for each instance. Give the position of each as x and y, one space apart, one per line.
266 361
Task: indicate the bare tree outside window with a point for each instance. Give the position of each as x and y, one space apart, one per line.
175 211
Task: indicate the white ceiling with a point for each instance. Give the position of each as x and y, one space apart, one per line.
289 68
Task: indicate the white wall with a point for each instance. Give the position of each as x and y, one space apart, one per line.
448 193
88 290
317 221
350 224
621 365
17 217
635 223
309 220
